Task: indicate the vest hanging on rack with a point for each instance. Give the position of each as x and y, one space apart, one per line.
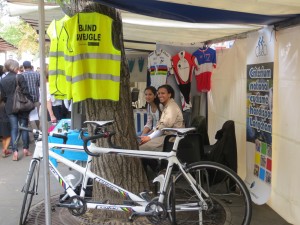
57 78
93 63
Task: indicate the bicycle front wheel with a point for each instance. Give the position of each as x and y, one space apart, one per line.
29 190
227 197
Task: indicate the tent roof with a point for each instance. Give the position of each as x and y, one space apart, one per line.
147 22
5 46
201 11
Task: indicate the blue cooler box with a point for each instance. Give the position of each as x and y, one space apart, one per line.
73 139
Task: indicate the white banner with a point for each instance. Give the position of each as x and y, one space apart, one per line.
260 67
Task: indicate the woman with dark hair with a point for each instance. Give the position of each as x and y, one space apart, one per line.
153 110
8 87
4 124
171 117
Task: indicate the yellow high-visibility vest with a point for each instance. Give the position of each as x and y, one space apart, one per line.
92 61
57 78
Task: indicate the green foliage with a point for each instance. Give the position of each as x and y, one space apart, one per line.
11 34
63 1
21 35
29 39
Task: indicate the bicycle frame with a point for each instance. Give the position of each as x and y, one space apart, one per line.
86 172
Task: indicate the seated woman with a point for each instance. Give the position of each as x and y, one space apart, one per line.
153 110
171 117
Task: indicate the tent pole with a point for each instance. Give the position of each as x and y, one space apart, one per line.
44 111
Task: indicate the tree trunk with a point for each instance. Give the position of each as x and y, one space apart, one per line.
123 171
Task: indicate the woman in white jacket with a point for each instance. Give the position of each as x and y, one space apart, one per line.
153 110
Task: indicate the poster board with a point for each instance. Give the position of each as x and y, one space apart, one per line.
260 68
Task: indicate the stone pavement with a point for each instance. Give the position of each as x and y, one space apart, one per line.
12 179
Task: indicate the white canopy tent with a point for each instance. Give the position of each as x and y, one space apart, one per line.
139 29
142 32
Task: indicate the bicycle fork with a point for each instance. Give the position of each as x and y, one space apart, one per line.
35 177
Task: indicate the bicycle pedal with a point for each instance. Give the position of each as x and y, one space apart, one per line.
53 208
136 214
131 218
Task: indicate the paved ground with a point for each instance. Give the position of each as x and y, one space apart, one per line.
13 174
12 180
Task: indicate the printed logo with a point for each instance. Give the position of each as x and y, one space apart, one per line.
261 48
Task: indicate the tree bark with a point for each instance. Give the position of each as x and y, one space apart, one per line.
123 171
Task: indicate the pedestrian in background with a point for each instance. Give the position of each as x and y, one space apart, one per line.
33 82
54 106
21 69
4 123
7 87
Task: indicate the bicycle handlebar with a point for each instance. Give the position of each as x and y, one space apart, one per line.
99 132
86 139
26 129
62 136
93 138
38 132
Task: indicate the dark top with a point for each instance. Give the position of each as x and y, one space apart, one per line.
33 82
8 87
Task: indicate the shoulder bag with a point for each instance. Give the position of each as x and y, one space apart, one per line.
20 102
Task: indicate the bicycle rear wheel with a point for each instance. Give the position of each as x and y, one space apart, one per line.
228 199
29 191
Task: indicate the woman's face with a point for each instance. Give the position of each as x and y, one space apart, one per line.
163 95
149 96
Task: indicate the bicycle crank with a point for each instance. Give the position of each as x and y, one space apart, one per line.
158 212
76 205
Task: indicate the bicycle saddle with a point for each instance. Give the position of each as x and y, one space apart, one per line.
99 123
180 130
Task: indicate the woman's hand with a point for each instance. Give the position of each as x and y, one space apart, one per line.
53 119
144 139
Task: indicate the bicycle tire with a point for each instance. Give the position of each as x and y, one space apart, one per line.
29 191
228 200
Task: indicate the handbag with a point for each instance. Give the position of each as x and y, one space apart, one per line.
20 102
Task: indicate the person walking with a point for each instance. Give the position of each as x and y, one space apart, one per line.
4 123
7 87
33 82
